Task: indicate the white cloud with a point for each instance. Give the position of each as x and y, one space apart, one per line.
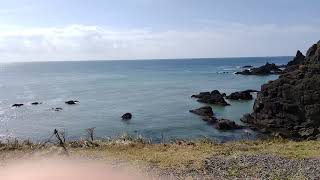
80 42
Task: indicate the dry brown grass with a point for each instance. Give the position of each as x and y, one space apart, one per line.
186 155
177 155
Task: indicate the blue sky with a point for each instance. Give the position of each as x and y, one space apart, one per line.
35 30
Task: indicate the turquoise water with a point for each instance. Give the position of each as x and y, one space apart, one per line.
156 92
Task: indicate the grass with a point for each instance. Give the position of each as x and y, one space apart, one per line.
186 155
180 155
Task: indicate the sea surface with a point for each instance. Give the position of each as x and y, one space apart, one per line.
156 92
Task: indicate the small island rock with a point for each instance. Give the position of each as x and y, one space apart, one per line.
205 111
215 97
72 102
127 116
17 105
36 103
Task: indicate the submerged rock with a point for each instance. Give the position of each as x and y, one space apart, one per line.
72 102
266 69
291 104
210 120
17 105
215 97
127 116
56 109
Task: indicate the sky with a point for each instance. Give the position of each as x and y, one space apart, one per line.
63 30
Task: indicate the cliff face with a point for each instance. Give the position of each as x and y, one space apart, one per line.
290 105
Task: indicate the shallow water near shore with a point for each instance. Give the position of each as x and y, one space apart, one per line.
156 92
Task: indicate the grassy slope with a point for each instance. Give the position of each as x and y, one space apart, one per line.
177 157
186 155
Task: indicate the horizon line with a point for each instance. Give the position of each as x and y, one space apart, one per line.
144 59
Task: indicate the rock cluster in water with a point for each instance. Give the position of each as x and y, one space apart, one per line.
266 69
214 97
207 115
290 105
217 98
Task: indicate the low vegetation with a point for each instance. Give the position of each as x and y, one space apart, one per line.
178 155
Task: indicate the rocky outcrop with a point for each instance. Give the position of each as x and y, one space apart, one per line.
299 59
215 97
72 102
290 105
126 116
266 69
206 113
225 124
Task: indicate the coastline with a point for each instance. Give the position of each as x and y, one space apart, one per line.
158 97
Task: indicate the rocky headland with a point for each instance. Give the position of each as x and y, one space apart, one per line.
266 69
290 106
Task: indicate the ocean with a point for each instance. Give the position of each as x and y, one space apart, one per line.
157 93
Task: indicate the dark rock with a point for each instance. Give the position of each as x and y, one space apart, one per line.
215 97
17 105
247 66
206 114
299 59
205 111
201 95
291 104
241 95
266 69
225 124
247 118
36 103
127 116
72 102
